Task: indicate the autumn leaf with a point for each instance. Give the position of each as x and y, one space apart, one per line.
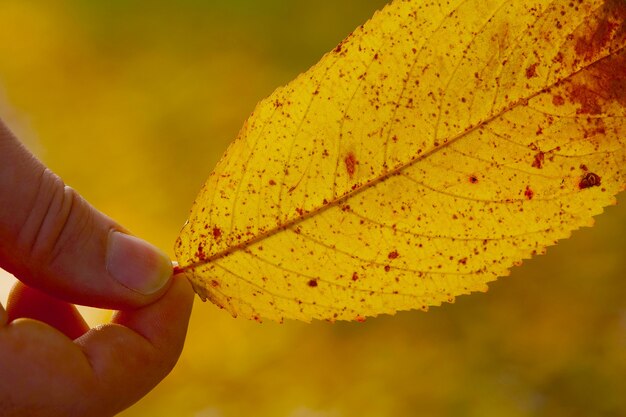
437 146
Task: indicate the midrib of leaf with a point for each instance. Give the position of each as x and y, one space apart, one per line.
395 171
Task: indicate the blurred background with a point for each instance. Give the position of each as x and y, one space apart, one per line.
133 102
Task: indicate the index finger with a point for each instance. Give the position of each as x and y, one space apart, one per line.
133 354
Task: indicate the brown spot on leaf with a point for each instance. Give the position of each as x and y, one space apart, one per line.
558 58
355 276
215 283
272 182
529 193
393 255
360 319
387 268
463 261
531 71
200 252
539 159
312 283
604 81
599 130
589 180
558 100
588 99
473 179
608 77
603 30
351 162
217 232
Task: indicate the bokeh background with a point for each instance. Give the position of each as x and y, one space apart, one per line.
133 102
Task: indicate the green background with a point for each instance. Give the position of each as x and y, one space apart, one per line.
133 102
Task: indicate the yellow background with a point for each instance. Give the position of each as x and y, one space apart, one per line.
133 102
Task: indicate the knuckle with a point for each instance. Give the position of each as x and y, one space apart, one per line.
55 221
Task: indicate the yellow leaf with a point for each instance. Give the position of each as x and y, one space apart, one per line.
437 146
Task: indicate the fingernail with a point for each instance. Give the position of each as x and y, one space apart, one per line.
136 264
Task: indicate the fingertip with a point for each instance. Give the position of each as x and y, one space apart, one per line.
185 288
163 323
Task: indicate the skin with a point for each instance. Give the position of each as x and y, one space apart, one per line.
55 243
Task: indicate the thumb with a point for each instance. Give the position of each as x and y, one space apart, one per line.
53 240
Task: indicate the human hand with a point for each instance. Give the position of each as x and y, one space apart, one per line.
63 251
